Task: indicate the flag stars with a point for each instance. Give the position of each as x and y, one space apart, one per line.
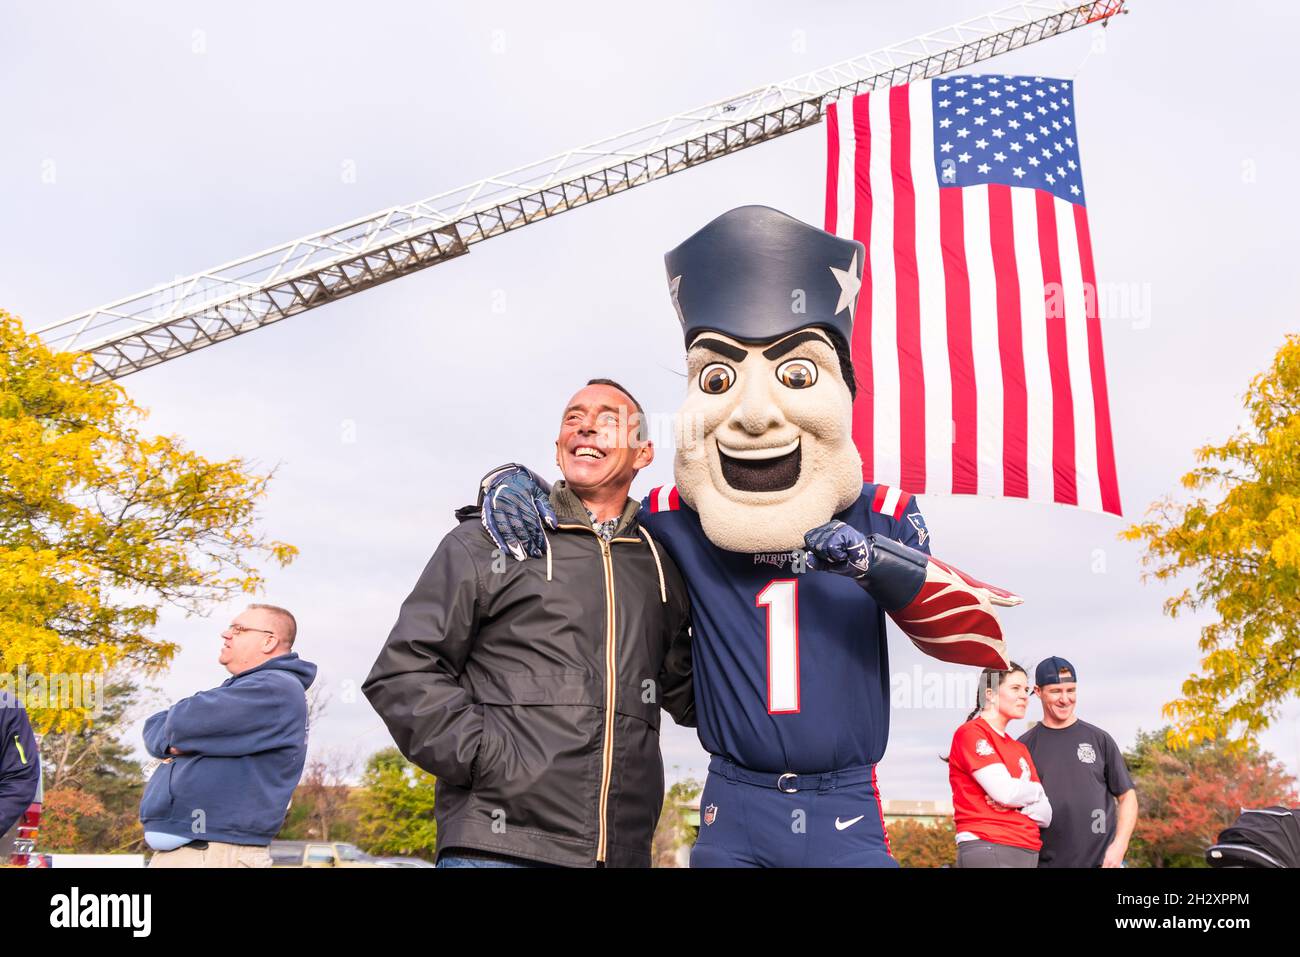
1015 142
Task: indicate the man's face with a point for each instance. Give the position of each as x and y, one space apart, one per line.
249 640
598 446
764 445
1059 701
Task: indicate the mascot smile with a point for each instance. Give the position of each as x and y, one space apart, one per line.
792 562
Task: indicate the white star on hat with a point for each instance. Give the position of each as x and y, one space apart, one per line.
673 285
850 282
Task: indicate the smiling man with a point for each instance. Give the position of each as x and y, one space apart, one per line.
791 669
1085 776
532 689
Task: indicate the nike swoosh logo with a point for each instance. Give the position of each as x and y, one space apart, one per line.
841 825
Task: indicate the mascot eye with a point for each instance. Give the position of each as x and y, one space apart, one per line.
716 378
797 373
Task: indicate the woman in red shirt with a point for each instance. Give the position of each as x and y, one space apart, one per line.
998 802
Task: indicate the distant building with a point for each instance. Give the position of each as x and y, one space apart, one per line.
928 813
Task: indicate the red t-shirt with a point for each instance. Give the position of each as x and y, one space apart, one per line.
976 745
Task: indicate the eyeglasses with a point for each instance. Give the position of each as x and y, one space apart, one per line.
238 630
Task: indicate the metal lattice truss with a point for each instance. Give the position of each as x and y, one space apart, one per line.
188 314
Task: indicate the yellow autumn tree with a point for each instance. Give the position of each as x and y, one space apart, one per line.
1239 535
102 525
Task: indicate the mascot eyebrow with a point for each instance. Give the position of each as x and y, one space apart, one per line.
772 352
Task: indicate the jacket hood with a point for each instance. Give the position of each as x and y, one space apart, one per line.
304 671
568 508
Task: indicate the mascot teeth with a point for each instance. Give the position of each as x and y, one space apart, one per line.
767 453
761 470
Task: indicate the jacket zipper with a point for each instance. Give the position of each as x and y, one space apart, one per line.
611 693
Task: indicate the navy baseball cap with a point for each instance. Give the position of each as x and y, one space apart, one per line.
756 274
1054 671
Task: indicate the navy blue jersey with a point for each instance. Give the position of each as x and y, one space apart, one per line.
791 668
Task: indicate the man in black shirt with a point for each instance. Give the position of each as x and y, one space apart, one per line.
1094 804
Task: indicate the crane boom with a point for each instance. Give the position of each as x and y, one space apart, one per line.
180 317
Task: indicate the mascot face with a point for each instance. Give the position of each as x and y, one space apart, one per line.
764 439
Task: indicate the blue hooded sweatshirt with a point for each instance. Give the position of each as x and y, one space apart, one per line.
244 745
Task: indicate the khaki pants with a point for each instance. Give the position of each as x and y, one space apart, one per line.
214 855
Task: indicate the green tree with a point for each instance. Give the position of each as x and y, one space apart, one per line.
1239 535
675 830
914 844
395 807
101 524
93 761
1189 794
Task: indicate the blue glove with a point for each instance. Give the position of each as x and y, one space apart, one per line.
890 572
839 548
515 506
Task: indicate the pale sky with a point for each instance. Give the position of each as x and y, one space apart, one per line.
183 137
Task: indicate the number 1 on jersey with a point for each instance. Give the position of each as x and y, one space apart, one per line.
781 599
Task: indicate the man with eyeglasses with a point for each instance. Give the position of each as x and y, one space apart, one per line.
231 756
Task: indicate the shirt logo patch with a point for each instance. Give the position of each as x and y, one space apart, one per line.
710 814
982 747
1024 768
1086 754
918 523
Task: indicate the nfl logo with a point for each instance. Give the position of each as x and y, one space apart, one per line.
710 814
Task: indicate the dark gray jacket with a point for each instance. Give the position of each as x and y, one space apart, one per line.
532 689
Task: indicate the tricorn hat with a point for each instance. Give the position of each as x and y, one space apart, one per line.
756 274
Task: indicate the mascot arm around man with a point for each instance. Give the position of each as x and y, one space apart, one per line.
791 561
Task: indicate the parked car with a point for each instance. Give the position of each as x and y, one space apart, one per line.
18 844
403 862
319 854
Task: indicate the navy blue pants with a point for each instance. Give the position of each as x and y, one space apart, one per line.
752 819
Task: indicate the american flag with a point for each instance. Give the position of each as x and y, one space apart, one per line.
976 339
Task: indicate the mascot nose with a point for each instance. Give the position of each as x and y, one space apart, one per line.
757 411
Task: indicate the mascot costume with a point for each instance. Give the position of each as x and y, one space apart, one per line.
791 561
